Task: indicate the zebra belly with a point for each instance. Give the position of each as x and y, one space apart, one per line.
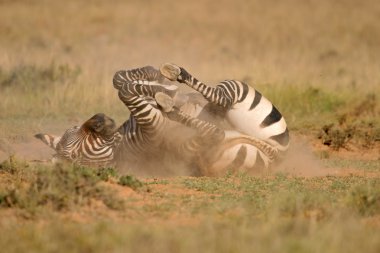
257 118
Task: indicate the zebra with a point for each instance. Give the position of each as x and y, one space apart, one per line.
250 114
154 106
137 139
78 144
249 148
92 144
213 148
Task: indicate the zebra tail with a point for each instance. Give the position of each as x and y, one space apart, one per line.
49 140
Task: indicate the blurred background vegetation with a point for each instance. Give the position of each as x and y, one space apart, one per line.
57 58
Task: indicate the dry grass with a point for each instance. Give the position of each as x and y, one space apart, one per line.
330 43
283 48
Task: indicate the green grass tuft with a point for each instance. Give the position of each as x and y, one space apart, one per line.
365 198
130 181
106 174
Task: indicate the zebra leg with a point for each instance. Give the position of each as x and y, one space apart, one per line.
207 134
205 130
137 89
145 81
225 94
147 73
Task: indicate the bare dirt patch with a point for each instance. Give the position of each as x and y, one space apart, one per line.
31 149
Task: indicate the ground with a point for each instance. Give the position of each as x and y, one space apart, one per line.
307 204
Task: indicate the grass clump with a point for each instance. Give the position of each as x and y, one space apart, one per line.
357 125
130 181
12 165
58 188
106 174
365 198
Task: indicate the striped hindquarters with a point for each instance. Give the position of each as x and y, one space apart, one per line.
247 110
254 115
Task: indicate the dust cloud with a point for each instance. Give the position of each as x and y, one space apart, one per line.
300 160
167 162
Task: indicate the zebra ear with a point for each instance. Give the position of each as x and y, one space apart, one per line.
93 125
49 140
96 123
101 124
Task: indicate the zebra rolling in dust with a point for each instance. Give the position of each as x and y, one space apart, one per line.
260 134
153 111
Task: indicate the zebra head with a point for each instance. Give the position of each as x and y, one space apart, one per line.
100 124
92 143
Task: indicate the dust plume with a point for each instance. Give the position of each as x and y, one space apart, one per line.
300 160
167 160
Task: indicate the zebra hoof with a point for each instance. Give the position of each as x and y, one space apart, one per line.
165 101
170 71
